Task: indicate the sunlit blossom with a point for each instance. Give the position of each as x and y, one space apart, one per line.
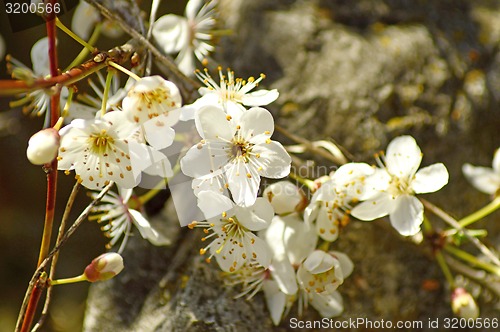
242 150
390 189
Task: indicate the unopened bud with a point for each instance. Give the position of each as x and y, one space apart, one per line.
43 146
463 304
285 197
104 267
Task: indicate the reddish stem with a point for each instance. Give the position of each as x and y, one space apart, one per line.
40 285
51 170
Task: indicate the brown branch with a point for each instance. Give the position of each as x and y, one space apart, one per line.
120 55
187 85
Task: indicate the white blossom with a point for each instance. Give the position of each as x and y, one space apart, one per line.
484 179
118 217
319 276
36 102
391 189
231 93
234 242
102 150
331 203
189 36
242 150
151 97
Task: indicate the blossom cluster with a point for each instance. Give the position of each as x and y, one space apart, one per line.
278 238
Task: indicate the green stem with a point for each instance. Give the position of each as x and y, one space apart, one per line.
124 70
306 182
481 213
73 35
444 267
427 225
85 51
471 259
68 280
109 78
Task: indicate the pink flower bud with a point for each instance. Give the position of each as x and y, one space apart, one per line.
104 267
43 146
463 304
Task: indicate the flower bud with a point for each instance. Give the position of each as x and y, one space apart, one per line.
43 146
463 304
285 197
104 267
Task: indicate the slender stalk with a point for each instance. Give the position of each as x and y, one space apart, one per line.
62 227
481 213
85 51
81 218
310 146
444 267
109 78
471 259
453 223
73 35
306 182
124 70
68 280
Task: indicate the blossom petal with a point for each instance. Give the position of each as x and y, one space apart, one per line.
379 206
40 57
274 160
260 97
213 204
328 305
319 261
275 300
171 32
204 159
148 232
346 265
158 134
84 19
256 217
243 183
284 196
211 123
256 121
483 179
408 215
403 156
300 240
430 179
327 225
496 161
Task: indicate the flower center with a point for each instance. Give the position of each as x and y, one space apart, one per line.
100 143
398 186
240 150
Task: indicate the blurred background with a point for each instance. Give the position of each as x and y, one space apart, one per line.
23 185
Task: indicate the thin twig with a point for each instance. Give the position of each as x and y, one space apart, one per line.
152 17
36 276
187 84
62 226
454 223
309 146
